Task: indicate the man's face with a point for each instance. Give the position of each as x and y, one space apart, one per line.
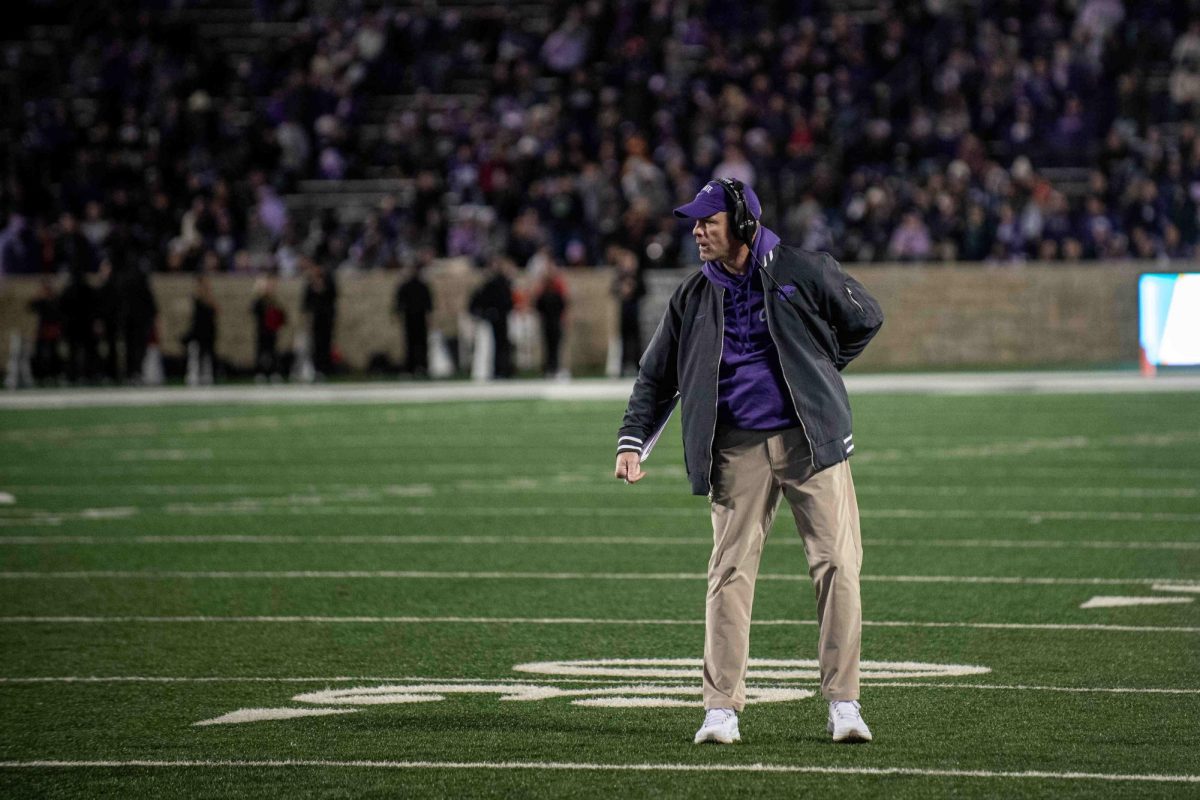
713 237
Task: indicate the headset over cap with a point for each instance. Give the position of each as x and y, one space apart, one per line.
726 194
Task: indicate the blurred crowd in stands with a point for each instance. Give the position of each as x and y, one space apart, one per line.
993 131
208 135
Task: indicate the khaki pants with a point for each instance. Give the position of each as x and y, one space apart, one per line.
751 470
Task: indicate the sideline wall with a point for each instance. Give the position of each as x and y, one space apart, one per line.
1036 314
937 316
365 325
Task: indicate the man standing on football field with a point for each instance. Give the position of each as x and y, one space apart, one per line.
752 345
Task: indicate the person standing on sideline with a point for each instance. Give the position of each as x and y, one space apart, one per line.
320 304
78 305
414 302
139 317
629 289
47 358
492 302
269 318
752 345
203 330
108 316
551 305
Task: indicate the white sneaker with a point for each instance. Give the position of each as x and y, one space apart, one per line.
846 722
720 726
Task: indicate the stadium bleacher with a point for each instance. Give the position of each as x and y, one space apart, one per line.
850 118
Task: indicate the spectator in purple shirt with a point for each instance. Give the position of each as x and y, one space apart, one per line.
910 241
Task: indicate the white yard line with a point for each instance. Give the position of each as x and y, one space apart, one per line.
1030 688
473 540
885 684
1001 473
1176 586
278 506
570 482
336 679
33 516
1030 515
554 576
1034 626
567 766
1074 445
1125 601
447 620
319 507
1032 544
958 383
873 487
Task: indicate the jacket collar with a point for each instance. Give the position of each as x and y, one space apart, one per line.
764 243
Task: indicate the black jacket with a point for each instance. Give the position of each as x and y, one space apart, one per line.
820 319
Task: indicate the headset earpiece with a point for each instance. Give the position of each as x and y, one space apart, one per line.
743 225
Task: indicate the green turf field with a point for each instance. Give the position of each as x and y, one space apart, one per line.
164 567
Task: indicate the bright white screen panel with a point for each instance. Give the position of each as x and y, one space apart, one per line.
1169 318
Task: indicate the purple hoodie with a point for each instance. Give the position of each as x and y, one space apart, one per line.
751 393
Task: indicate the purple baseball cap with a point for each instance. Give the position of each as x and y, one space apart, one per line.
712 199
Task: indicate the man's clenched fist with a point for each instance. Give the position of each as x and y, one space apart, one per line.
629 467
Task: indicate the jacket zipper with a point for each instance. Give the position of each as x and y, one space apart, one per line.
812 451
852 300
717 388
